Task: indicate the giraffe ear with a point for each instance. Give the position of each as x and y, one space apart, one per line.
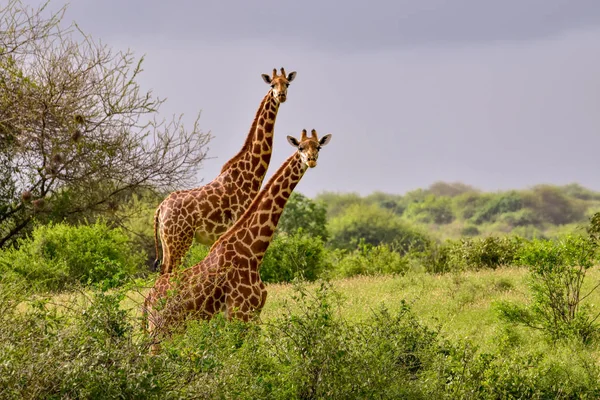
266 78
293 141
325 139
291 76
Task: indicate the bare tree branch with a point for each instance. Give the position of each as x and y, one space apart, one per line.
77 133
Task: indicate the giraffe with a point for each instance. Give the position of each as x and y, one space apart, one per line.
208 211
228 278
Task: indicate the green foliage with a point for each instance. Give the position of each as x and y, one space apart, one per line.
195 254
558 269
463 372
490 252
388 201
523 217
294 256
469 230
467 204
303 213
337 203
552 205
432 209
369 260
374 226
470 254
58 256
496 205
450 189
310 348
84 351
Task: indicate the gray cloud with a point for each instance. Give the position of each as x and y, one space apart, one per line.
340 26
495 94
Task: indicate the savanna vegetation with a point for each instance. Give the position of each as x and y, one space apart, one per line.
444 292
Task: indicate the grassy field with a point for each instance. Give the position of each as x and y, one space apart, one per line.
461 305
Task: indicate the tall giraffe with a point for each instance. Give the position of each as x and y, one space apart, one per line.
228 278
208 211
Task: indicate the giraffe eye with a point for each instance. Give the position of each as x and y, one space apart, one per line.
318 147
300 148
287 85
273 86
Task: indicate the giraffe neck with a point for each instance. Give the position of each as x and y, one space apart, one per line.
253 159
255 228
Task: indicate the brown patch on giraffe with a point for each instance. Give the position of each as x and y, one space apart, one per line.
260 135
258 245
263 218
280 201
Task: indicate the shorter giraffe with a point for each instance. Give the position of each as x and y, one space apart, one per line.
228 278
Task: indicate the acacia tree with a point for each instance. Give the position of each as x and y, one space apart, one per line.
77 133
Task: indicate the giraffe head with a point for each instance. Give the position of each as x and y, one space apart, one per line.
308 147
279 84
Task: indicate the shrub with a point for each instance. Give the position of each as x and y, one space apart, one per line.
387 201
85 350
60 255
496 205
294 256
522 217
369 260
469 230
461 371
303 213
490 252
437 210
558 269
550 204
374 226
195 254
467 204
450 189
437 258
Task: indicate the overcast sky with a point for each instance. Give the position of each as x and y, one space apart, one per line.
496 94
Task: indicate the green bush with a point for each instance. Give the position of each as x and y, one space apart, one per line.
469 230
392 202
195 254
550 204
368 260
522 217
60 255
85 350
558 270
490 252
294 256
433 209
462 372
437 258
467 204
303 213
91 348
374 226
496 205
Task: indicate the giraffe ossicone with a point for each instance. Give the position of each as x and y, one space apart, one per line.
208 211
228 279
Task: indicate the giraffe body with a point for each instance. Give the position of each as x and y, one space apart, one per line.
228 279
208 211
